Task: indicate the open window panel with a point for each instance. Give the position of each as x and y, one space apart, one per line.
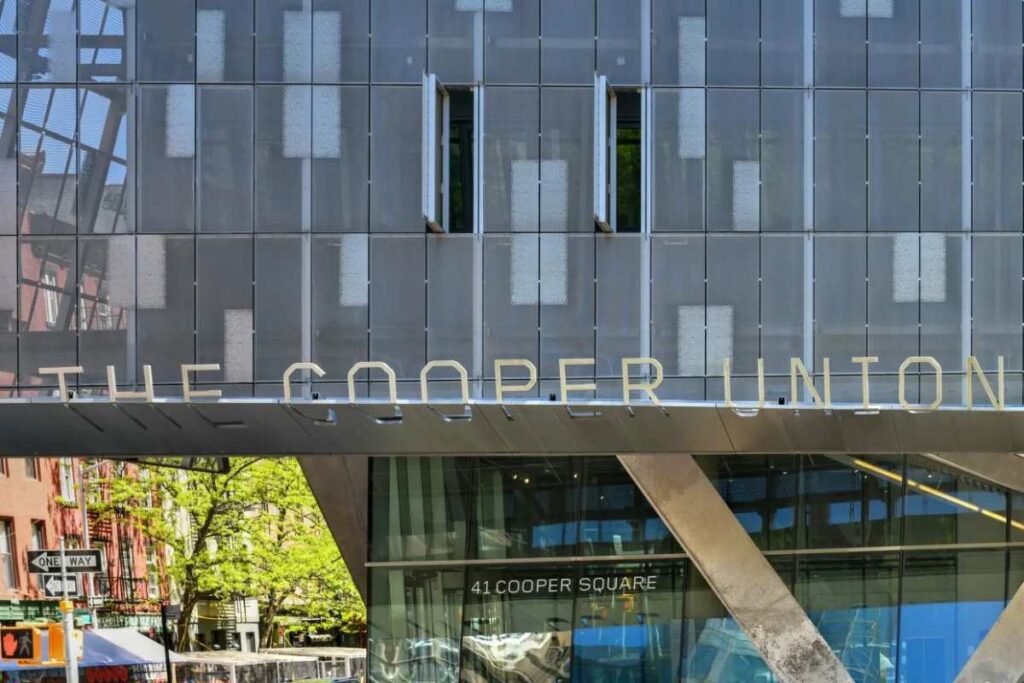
618 157
449 154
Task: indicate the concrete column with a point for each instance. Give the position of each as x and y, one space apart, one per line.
734 567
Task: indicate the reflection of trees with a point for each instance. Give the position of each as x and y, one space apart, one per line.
517 657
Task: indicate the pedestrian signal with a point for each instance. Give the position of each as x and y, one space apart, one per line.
20 643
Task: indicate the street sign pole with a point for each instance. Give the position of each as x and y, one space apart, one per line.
68 608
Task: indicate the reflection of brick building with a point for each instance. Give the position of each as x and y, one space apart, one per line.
40 502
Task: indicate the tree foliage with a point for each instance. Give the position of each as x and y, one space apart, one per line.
255 531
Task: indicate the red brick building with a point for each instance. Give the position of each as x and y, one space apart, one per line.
40 501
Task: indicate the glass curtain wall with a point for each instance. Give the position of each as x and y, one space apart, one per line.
557 569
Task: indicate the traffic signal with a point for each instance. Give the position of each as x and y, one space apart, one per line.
20 643
56 642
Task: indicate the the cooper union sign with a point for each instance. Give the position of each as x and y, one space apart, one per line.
634 381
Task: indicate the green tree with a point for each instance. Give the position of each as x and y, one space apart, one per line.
254 531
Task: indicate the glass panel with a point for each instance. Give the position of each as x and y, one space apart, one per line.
284 32
732 319
618 40
224 34
450 26
225 159
106 37
106 181
106 307
282 272
679 152
8 312
413 625
615 517
840 39
782 43
893 161
677 304
734 164
894 298
511 152
567 43
166 304
566 302
851 501
166 40
341 53
853 603
715 648
398 315
998 155
732 54
420 508
893 51
949 602
47 35
782 294
512 41
567 166
450 300
8 160
224 322
340 297
840 310
782 159
395 158
518 624
398 53
284 147
997 305
619 287
525 507
48 178
942 298
511 298
945 506
8 40
762 491
340 158
679 54
47 277
941 34
628 622
941 161
996 30
166 156
840 166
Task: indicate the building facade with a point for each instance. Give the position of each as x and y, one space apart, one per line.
40 502
251 183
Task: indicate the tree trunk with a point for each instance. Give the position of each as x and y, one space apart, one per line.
188 605
267 619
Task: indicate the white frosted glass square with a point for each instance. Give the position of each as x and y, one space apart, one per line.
554 269
524 204
692 55
881 9
690 340
933 268
152 280
523 271
295 132
238 345
691 124
210 45
850 9
354 270
554 193
121 271
180 133
746 199
296 57
905 254
326 123
720 334
8 274
477 5
327 46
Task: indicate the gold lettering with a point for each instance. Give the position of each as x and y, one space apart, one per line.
499 385
902 381
463 378
646 387
147 377
370 365
62 381
974 367
727 382
563 364
865 390
797 366
295 367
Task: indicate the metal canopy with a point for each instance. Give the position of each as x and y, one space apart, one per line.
171 427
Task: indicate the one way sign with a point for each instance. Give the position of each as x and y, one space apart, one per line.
52 587
75 561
